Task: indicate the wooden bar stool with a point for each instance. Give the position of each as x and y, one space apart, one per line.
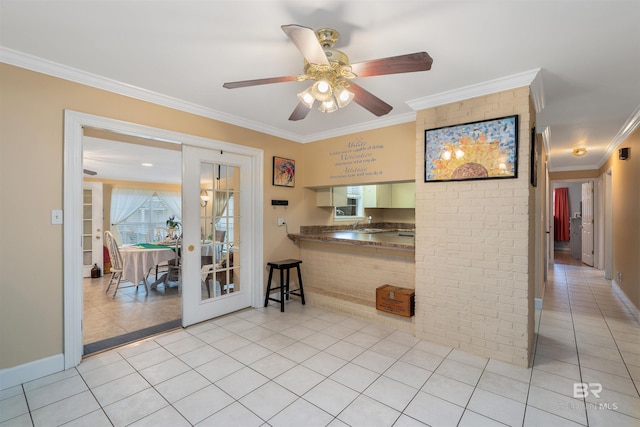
285 291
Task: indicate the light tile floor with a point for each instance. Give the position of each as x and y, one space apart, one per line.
312 367
131 310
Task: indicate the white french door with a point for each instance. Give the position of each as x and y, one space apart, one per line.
216 252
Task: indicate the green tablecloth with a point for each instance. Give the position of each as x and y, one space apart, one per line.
155 246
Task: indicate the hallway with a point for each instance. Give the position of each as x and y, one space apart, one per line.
312 367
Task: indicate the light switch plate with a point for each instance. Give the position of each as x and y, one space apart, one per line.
56 216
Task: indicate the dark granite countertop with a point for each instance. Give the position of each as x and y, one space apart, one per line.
385 235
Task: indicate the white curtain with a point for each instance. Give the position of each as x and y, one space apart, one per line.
221 200
173 200
124 202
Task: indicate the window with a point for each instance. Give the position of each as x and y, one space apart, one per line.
354 208
152 213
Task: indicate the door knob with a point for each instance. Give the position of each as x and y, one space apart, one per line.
191 248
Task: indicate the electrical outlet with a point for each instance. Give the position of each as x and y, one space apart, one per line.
619 277
280 222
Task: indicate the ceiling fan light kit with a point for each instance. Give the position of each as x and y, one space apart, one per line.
332 74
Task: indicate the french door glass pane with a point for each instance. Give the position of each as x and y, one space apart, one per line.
219 215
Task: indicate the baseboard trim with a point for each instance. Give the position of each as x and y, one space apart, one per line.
30 371
626 301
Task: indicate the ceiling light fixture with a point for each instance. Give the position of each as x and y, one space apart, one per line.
147 164
579 152
330 92
331 84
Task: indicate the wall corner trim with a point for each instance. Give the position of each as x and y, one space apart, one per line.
30 371
514 81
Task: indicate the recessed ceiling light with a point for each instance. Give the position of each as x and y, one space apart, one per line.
147 164
581 151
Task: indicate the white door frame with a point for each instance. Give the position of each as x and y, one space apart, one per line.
597 232
74 122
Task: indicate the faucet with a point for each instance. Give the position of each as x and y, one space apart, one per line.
355 224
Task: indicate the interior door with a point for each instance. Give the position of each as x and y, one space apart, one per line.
587 223
92 218
216 251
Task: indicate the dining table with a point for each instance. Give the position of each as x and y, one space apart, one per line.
138 259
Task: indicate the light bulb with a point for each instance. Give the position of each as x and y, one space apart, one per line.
446 155
328 106
306 97
459 154
323 86
343 96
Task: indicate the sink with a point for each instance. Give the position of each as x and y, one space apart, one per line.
370 230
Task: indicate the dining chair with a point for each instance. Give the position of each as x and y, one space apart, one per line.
155 235
174 267
116 261
219 243
206 272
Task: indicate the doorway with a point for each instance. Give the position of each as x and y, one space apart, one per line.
142 186
568 210
75 122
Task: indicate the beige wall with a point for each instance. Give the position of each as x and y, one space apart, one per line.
474 261
381 155
625 175
31 162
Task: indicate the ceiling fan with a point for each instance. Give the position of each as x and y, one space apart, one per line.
333 76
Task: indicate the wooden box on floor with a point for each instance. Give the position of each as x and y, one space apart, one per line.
395 300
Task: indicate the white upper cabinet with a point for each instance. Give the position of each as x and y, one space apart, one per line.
403 195
331 196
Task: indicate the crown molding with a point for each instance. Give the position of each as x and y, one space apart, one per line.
589 167
370 125
629 127
481 89
44 66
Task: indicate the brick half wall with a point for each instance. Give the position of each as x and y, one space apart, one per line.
474 280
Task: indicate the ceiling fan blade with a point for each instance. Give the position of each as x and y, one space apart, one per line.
300 112
420 61
245 83
307 43
369 101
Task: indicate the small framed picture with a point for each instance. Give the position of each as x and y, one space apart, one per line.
284 172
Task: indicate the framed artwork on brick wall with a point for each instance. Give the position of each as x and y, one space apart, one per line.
486 149
284 172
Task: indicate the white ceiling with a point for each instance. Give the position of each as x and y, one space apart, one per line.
179 53
131 162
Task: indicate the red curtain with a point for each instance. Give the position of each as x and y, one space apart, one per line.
561 214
